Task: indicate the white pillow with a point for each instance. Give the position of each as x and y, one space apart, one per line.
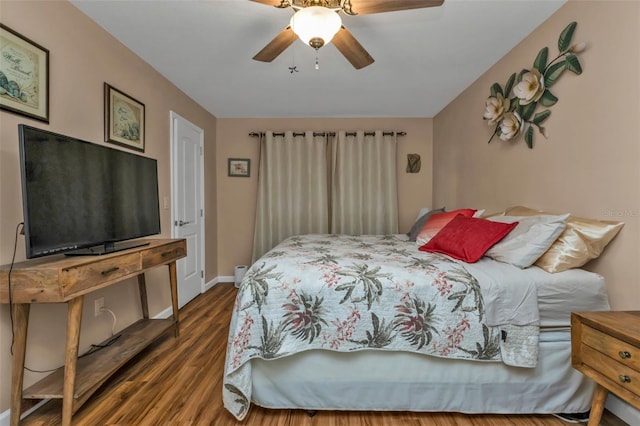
529 240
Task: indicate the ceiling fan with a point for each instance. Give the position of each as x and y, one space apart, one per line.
317 22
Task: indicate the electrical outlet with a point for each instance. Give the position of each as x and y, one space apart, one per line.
98 305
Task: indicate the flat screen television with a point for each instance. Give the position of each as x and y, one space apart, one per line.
81 198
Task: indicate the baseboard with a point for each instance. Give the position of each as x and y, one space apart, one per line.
208 286
164 314
622 410
216 280
5 416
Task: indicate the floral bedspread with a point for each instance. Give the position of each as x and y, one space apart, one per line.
345 293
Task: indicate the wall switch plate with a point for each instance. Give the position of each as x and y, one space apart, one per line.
98 305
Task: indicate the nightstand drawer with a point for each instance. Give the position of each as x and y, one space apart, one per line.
619 374
616 349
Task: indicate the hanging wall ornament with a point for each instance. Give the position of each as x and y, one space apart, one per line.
413 163
520 106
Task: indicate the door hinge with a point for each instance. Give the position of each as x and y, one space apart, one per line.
201 150
201 213
201 273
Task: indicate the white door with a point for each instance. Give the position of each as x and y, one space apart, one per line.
187 194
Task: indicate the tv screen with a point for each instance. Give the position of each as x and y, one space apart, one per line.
80 195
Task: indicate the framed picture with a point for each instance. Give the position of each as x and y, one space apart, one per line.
123 119
239 167
24 76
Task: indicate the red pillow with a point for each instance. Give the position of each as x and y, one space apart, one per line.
467 238
437 221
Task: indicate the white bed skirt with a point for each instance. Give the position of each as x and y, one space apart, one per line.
398 381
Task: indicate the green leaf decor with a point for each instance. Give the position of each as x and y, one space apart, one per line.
554 71
565 37
495 89
509 86
548 99
541 60
573 64
512 111
541 116
528 137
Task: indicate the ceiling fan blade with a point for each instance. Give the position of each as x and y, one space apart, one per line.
276 3
364 7
276 46
347 44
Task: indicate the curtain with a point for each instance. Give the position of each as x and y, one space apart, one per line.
292 189
364 196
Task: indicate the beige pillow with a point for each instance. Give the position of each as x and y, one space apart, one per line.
582 240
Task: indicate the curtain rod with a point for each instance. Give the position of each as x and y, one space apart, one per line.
385 133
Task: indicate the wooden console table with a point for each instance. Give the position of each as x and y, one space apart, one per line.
61 279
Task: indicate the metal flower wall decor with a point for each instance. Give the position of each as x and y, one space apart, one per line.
514 110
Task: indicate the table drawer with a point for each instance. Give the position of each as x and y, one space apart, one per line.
619 374
77 278
163 254
616 349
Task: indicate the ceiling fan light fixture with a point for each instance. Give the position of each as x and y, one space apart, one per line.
316 25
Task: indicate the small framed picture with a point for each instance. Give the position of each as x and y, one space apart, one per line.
123 119
24 76
239 167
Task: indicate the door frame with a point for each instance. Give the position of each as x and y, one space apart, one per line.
174 183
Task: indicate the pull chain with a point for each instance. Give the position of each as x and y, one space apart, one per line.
293 68
317 64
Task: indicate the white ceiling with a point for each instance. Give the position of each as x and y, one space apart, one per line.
424 58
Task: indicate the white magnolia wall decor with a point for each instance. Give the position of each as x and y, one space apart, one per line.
514 110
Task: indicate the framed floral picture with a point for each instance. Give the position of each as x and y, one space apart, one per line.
123 119
24 76
239 167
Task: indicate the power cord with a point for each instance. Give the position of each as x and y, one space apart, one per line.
96 348
92 349
13 261
113 326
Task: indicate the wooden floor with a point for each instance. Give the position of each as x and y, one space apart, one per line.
179 382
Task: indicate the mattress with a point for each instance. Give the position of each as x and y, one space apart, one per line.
558 294
401 381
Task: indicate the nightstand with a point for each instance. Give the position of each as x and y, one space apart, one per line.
605 346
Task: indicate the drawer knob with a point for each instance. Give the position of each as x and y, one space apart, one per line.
624 354
624 378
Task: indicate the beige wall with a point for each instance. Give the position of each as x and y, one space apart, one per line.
589 166
237 196
82 58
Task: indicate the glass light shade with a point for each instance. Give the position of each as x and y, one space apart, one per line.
315 22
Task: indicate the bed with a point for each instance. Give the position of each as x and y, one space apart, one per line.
335 322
